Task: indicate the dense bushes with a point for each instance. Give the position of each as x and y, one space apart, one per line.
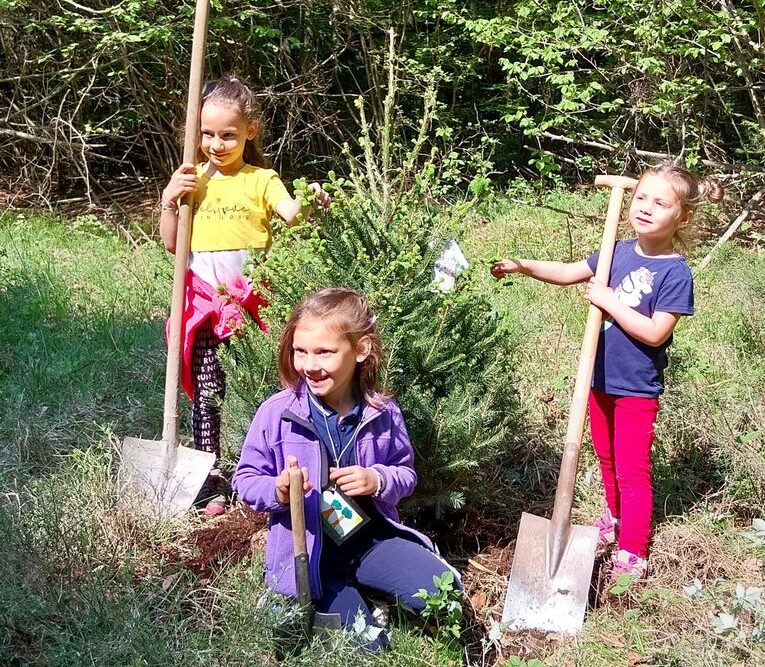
98 88
622 80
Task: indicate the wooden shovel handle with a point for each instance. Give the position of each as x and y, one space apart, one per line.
183 235
564 494
618 184
297 511
613 181
302 576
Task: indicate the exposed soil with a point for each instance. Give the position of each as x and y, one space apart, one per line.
231 538
222 540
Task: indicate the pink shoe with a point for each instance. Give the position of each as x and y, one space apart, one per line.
624 562
607 528
215 506
212 496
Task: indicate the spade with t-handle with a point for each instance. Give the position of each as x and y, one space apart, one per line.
552 568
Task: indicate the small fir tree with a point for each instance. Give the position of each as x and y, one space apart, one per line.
447 360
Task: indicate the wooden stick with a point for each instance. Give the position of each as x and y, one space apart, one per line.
733 227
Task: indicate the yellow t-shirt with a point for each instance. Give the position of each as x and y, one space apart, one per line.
234 212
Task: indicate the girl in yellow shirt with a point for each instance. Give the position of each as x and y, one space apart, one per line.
235 195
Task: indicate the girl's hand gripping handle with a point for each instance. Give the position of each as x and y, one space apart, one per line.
283 481
182 182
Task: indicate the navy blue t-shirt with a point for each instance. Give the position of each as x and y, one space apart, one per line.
338 436
623 365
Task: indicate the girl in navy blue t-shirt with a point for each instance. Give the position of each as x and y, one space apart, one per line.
650 287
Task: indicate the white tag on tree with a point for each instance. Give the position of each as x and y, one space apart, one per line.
450 262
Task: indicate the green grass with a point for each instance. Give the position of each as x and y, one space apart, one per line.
82 364
81 318
710 446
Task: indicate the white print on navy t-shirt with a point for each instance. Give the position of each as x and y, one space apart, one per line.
631 290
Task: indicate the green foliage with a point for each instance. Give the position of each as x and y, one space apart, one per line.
757 534
71 584
559 86
448 362
622 584
444 606
622 75
743 616
515 661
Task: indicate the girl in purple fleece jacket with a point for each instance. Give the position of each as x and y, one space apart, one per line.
352 446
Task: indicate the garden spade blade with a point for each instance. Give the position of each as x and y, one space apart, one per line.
159 477
552 567
540 598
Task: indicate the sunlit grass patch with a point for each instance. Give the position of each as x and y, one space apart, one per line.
81 318
82 364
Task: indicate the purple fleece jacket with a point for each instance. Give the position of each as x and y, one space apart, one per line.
282 427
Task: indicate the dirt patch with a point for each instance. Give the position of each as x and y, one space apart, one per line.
223 540
484 578
482 547
228 539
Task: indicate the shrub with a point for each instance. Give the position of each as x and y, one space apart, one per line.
447 360
447 363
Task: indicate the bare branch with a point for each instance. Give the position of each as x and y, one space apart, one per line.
730 166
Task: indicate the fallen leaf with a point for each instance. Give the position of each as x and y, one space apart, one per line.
169 580
478 601
612 638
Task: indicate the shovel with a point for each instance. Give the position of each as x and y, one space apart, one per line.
160 477
552 568
311 619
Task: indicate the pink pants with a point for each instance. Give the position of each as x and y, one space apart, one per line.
622 434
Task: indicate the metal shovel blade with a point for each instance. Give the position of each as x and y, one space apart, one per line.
327 621
540 599
161 480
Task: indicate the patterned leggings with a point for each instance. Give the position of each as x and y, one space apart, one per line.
209 390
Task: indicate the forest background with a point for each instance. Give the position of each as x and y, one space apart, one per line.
94 90
480 120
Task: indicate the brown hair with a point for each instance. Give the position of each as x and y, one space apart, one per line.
691 191
347 312
232 90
